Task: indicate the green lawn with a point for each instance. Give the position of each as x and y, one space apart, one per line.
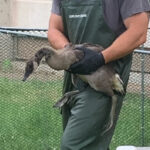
28 121
129 127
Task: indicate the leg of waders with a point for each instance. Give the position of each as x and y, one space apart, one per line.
87 120
65 115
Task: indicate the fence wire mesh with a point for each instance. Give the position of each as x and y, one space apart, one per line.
28 120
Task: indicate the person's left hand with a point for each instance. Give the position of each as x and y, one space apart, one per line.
91 62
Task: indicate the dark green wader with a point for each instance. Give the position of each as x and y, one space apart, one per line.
84 118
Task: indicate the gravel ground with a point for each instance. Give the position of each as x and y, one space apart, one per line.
45 73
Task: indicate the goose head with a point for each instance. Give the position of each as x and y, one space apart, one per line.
31 66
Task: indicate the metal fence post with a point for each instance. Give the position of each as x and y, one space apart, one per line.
142 99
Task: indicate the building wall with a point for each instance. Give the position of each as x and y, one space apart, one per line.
25 13
5 19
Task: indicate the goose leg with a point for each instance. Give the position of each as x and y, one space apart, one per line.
112 114
65 98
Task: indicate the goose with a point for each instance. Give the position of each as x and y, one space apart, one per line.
104 79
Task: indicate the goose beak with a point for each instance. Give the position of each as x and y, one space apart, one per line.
25 77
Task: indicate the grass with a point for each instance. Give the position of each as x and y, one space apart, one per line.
6 65
28 121
129 128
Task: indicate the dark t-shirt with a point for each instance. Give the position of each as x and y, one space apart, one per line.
115 11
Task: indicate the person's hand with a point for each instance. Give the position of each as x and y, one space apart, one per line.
91 62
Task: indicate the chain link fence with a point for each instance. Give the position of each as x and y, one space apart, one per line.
28 120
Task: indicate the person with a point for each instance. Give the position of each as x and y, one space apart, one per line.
119 26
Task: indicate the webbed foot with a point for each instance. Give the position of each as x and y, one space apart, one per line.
65 98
